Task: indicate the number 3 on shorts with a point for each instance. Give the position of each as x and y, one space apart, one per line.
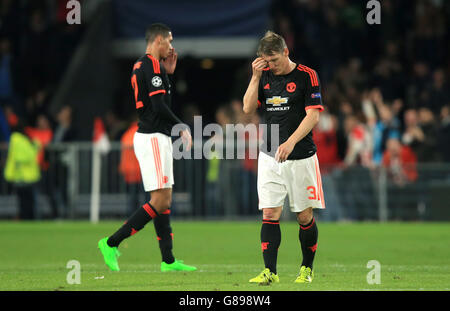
312 192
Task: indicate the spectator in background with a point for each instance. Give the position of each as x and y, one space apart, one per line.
354 183
385 128
22 170
59 159
129 168
345 110
427 151
4 127
218 173
437 93
8 77
249 168
36 104
326 142
417 85
236 112
413 135
325 137
64 131
359 149
44 135
115 126
400 163
212 189
444 134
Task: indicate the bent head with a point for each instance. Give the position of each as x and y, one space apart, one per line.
273 49
159 37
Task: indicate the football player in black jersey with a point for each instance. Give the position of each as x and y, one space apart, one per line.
153 148
289 96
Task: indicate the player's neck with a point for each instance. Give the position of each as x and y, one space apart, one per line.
291 66
153 52
288 69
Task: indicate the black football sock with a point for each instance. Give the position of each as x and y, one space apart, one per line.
270 242
308 235
164 236
136 222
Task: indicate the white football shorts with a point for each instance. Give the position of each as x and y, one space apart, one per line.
299 179
154 153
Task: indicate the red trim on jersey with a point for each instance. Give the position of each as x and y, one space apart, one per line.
266 69
320 107
157 92
312 74
156 66
259 103
137 65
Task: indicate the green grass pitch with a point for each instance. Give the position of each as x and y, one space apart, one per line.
412 256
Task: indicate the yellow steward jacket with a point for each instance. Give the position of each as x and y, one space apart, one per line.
22 162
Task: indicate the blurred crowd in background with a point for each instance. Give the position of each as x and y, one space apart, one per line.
385 87
36 46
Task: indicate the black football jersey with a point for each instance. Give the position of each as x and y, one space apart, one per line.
284 100
148 79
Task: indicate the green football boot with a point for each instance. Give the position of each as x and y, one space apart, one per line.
110 254
177 265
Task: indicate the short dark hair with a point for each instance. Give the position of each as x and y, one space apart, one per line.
155 30
271 44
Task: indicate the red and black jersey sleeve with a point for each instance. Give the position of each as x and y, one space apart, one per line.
137 83
152 94
154 77
313 95
146 80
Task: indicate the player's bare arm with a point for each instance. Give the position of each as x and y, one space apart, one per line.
307 124
251 95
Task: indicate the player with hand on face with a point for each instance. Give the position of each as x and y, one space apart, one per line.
153 148
289 96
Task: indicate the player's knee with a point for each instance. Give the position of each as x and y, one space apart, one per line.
271 214
167 203
305 216
161 203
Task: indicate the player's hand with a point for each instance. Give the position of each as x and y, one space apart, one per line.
187 139
170 62
258 65
283 151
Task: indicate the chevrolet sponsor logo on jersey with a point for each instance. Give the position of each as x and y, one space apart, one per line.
276 102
